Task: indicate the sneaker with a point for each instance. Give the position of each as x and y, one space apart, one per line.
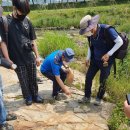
6 127
38 99
10 117
84 100
97 102
60 97
28 101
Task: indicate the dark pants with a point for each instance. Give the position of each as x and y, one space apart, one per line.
27 78
94 67
56 87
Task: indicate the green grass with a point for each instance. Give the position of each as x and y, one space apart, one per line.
118 118
117 15
53 40
117 88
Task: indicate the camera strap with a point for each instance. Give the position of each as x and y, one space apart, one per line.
25 26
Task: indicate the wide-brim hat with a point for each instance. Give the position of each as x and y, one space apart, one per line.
87 23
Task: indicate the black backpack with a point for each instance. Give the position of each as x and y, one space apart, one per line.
122 51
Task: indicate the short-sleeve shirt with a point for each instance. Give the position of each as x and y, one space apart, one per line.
18 34
50 66
99 43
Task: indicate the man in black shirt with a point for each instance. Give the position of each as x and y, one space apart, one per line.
19 48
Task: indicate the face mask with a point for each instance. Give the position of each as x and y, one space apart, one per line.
88 34
20 17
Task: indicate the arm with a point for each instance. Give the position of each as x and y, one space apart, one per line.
5 51
118 43
88 57
35 50
62 85
127 109
88 54
113 35
34 47
32 36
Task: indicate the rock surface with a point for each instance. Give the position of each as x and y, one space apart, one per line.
59 115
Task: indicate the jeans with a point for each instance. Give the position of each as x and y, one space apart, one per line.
94 67
2 108
56 87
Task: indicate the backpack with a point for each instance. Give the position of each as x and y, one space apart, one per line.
122 51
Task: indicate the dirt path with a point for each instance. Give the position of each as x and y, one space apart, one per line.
61 115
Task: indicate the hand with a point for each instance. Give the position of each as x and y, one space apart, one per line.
127 109
87 63
105 58
67 70
38 61
13 66
67 90
10 61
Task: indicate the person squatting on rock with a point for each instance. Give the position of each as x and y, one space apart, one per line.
19 49
100 56
52 69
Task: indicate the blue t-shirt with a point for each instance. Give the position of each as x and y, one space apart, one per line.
99 43
51 64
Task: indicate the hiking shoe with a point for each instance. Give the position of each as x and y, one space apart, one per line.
38 99
28 102
6 127
10 117
84 100
97 102
60 97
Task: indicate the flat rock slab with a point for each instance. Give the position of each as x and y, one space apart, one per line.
59 115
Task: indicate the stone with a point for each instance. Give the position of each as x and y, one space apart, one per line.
59 115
